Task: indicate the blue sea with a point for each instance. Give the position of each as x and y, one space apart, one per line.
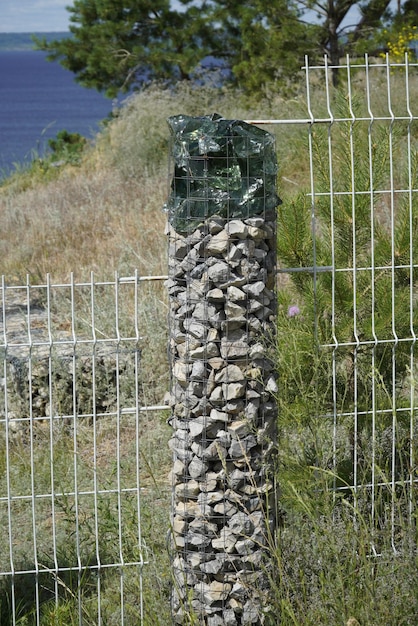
39 98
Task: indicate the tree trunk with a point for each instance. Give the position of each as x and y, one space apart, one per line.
334 49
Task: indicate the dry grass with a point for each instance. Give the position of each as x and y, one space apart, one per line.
82 222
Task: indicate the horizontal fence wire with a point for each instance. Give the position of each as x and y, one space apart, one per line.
72 396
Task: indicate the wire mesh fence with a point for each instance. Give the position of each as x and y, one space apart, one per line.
71 401
348 255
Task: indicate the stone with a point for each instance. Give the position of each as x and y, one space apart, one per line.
203 311
233 255
257 351
241 447
234 345
187 510
216 224
219 273
241 524
196 329
234 310
236 228
236 478
234 406
196 540
225 542
209 483
245 547
239 429
205 351
216 397
216 591
271 385
197 467
218 416
254 289
216 295
229 374
251 614
210 497
198 371
178 468
235 294
231 391
218 244
197 426
178 526
212 567
185 491
256 233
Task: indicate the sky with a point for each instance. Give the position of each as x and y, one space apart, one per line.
28 16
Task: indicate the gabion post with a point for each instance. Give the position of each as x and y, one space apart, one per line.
222 261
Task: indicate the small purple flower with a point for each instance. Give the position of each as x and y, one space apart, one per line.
293 310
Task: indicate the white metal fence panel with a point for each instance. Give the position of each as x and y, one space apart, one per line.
353 275
70 403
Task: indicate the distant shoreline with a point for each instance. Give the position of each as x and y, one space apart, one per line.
13 42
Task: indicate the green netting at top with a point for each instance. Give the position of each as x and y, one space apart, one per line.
221 167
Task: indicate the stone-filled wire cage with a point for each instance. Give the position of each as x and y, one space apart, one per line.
222 267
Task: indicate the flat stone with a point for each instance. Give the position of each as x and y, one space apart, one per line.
235 294
187 490
218 416
254 289
218 244
216 591
230 374
236 228
239 429
231 391
210 497
225 542
215 295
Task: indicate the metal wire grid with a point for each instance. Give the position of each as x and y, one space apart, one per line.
218 497
70 424
378 189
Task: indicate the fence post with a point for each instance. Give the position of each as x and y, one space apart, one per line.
222 262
